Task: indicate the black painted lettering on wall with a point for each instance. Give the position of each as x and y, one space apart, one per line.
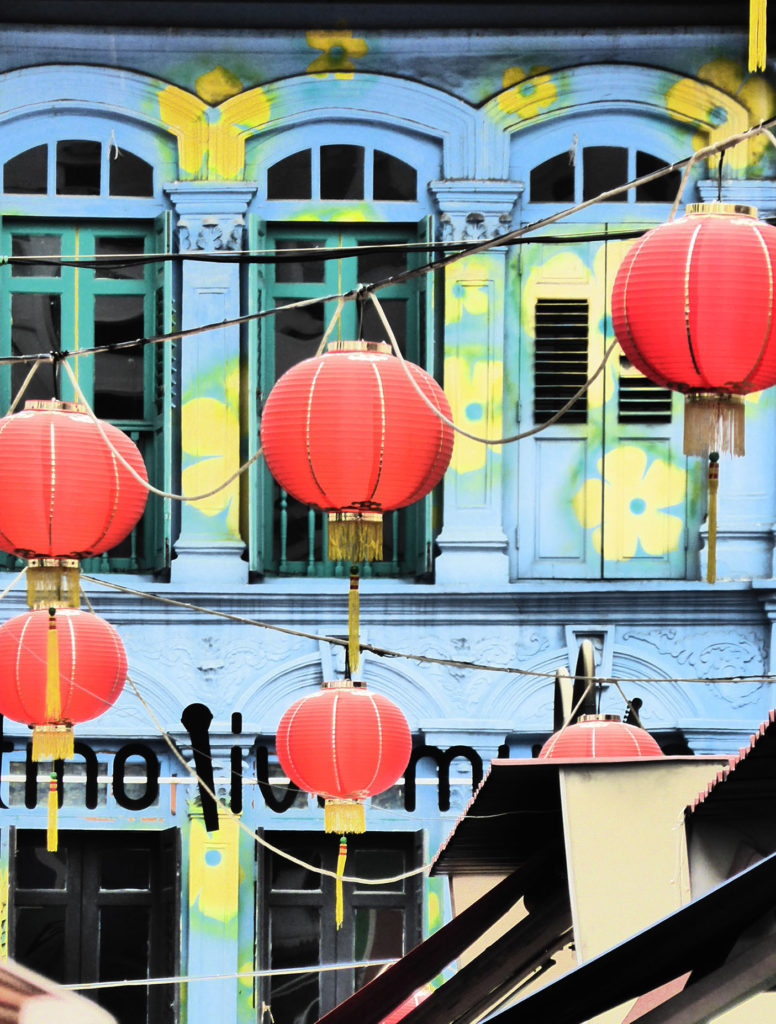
235 766
275 803
196 719
442 759
151 795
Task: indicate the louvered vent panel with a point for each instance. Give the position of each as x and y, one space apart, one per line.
641 400
560 361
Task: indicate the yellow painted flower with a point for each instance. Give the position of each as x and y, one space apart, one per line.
635 497
753 91
210 432
214 869
339 48
474 389
217 85
527 92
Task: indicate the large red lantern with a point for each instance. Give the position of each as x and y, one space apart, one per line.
347 433
67 494
58 668
598 736
693 310
344 743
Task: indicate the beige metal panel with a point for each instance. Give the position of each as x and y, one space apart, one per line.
625 844
467 889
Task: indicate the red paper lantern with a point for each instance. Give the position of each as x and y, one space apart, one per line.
57 669
66 494
597 736
693 309
344 743
347 433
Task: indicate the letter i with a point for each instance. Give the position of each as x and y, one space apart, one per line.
235 786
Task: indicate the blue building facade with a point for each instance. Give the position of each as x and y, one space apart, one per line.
195 141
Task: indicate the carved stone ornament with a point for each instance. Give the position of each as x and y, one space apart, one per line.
473 227
210 234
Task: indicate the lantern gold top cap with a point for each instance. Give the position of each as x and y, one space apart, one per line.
720 209
382 347
598 718
54 405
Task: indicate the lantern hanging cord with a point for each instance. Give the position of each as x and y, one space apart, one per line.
459 430
384 652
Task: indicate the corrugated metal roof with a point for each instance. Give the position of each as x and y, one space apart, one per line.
749 778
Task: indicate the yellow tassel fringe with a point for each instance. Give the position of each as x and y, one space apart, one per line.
713 423
344 816
52 742
355 537
757 35
52 838
53 701
339 912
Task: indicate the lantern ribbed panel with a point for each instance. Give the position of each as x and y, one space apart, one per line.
92 665
693 304
344 743
347 431
595 739
65 494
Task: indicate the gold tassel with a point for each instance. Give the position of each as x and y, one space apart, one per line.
53 701
339 912
343 816
353 647
355 537
713 486
758 37
53 582
53 741
713 423
53 807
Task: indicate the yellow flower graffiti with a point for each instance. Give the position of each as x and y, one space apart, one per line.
634 499
467 288
339 49
214 870
210 432
474 389
527 92
217 85
753 91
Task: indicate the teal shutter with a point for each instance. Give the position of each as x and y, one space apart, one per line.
257 479
430 358
159 516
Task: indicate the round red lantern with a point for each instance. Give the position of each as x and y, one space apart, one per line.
67 494
57 668
598 736
344 743
693 310
347 433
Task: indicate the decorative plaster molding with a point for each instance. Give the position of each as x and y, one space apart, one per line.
211 234
474 211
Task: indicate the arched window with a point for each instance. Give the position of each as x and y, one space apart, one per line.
77 167
342 172
558 180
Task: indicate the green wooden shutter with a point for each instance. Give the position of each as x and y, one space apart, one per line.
159 517
257 477
430 358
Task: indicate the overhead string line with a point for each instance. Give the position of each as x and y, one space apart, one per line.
385 652
462 250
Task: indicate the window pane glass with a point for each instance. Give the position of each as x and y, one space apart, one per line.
35 328
125 940
294 942
39 940
291 178
118 376
379 864
78 168
129 175
372 328
378 935
376 266
393 178
661 190
125 869
604 167
298 334
35 245
300 271
36 867
290 877
342 172
108 246
27 172
553 180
